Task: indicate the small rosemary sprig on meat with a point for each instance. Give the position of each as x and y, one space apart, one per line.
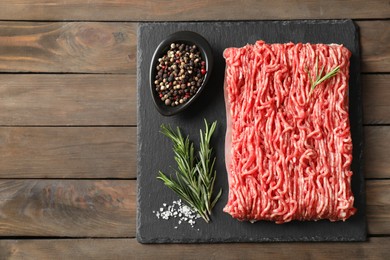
195 177
319 78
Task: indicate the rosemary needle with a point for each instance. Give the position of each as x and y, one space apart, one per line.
319 79
195 177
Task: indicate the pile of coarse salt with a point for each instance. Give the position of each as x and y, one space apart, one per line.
179 211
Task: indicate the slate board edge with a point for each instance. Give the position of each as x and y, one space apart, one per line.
359 132
139 139
238 239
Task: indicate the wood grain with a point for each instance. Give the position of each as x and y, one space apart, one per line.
377 153
375 248
376 98
127 10
82 208
99 47
107 152
67 47
67 152
378 206
375 45
46 99
107 208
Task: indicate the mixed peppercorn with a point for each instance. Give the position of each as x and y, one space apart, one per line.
180 73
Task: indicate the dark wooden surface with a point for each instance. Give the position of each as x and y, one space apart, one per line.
68 126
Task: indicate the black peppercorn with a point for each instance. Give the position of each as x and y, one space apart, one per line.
180 73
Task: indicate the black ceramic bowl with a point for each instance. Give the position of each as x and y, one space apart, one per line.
186 37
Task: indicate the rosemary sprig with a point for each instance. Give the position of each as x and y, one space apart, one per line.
319 78
194 181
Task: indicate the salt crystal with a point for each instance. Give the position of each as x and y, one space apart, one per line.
178 210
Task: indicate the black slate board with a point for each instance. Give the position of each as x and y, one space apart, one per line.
155 153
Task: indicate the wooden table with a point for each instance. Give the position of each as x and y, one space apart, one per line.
68 126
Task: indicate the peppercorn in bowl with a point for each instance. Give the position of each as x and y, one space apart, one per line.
179 71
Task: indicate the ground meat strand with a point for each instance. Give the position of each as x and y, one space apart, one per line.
288 151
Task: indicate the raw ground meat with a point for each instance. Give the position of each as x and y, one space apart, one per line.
288 150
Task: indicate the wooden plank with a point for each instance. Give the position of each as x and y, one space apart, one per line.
375 45
377 152
67 152
110 152
76 208
375 248
378 206
98 47
376 98
67 47
136 10
47 99
107 208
